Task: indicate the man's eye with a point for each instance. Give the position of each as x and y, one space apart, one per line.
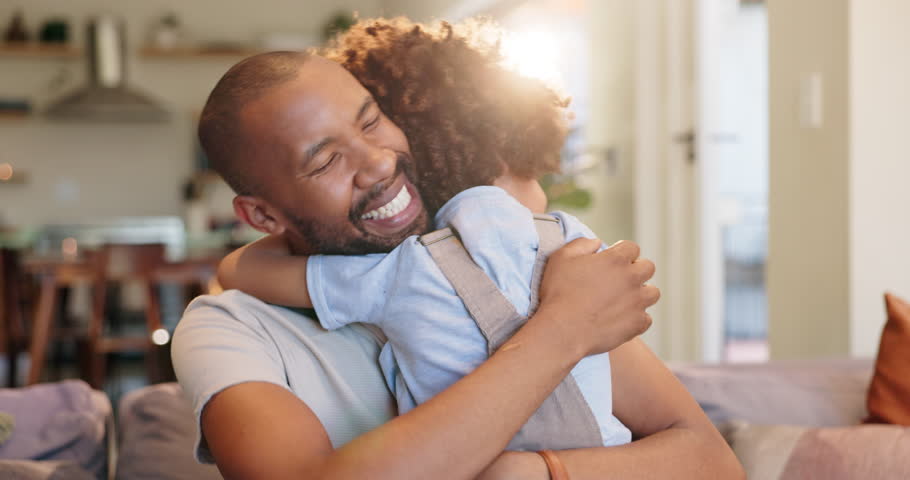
324 166
372 123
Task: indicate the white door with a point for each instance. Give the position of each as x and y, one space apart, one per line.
701 180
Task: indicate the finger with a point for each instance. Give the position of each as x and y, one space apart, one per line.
579 246
650 295
646 323
625 249
643 269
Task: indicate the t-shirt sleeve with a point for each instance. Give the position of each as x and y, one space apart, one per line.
352 288
573 228
213 349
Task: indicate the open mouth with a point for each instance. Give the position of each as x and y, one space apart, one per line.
392 208
396 216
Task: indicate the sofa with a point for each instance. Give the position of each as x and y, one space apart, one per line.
58 430
768 412
800 420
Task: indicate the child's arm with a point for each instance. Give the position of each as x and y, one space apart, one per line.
266 270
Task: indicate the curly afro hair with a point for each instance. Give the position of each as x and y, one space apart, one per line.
465 115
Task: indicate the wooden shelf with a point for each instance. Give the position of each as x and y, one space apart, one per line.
195 52
37 50
14 115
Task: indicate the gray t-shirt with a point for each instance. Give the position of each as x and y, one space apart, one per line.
232 338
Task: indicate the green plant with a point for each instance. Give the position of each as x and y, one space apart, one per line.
564 192
338 23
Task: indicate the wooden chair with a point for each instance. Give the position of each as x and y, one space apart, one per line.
5 318
114 264
54 277
12 328
118 263
195 277
126 264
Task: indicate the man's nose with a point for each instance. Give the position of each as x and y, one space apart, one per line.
377 165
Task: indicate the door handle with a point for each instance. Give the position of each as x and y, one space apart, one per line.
687 139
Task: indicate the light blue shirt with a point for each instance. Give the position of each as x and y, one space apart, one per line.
432 339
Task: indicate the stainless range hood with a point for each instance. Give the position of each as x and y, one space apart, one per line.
106 98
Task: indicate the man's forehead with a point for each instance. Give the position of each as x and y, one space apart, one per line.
305 110
320 86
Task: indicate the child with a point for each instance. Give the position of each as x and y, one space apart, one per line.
479 181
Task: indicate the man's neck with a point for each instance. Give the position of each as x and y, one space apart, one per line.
298 246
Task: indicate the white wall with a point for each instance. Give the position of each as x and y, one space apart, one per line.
839 227
808 311
807 276
450 10
649 187
880 164
92 171
611 117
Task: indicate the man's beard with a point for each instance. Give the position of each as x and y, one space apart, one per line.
337 240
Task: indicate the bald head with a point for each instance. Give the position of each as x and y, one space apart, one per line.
220 131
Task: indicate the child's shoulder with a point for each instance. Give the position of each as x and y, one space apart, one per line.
572 227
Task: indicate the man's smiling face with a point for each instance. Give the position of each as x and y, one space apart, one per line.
337 174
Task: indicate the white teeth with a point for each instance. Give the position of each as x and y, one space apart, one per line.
394 207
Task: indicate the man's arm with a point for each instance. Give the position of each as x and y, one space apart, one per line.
259 430
590 303
674 438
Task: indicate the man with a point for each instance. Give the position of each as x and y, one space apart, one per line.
275 394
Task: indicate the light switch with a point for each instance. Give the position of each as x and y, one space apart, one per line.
811 101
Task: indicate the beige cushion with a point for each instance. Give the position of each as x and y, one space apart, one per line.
763 450
868 452
785 452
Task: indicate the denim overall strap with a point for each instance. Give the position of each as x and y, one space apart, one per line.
491 310
549 231
564 420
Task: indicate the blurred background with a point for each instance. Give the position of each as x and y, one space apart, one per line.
755 149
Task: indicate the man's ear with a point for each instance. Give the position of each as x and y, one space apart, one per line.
255 212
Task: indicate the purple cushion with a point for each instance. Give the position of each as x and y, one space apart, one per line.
763 450
49 470
57 421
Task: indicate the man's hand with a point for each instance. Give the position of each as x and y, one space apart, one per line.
600 297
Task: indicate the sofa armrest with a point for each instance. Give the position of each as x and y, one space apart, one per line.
157 432
812 393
